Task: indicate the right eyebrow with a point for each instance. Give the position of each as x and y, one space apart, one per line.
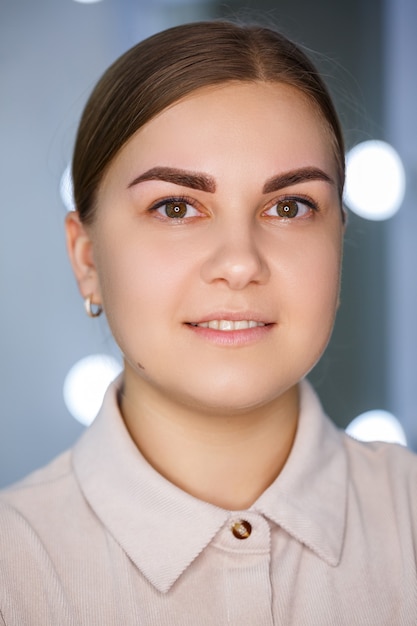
193 180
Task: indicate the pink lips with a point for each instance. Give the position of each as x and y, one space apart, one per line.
231 329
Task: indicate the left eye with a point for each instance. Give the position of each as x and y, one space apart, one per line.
289 208
177 209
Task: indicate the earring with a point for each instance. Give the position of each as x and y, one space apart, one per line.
92 310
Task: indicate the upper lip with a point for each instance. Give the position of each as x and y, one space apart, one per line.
233 316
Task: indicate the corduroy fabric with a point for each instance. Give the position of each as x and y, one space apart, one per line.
98 537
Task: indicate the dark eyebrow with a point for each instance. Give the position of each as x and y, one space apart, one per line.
203 182
296 176
194 180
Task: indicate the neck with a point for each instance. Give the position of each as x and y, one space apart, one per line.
227 459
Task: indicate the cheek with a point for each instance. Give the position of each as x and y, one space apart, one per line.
312 276
313 291
322 282
139 280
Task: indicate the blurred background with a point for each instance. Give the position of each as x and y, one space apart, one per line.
51 54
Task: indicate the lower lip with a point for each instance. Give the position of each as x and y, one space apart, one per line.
234 338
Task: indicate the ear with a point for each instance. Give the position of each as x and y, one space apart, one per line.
80 251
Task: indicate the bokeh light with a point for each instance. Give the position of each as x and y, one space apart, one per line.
86 384
66 189
375 180
377 425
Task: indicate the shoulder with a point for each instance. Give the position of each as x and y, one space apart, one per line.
28 508
43 519
38 485
383 479
392 461
37 510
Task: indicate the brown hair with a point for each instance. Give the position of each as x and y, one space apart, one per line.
169 65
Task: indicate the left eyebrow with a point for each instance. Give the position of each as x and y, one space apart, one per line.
193 180
295 176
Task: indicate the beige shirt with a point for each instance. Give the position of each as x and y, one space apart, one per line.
99 537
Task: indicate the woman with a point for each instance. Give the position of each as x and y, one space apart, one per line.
211 489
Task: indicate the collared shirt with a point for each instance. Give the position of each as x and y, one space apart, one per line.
99 537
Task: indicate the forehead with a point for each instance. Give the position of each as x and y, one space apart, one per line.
270 126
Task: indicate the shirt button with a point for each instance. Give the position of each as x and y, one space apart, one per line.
241 529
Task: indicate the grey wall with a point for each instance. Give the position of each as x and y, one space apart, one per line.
400 105
51 54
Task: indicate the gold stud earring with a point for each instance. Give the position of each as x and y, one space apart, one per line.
92 310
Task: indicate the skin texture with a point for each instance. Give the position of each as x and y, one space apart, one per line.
208 407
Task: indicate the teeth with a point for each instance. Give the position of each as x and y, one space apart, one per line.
228 325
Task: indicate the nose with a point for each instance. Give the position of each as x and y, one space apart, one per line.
236 257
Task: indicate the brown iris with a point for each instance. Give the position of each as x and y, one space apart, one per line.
176 209
287 208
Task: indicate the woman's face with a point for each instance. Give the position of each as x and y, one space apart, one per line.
216 247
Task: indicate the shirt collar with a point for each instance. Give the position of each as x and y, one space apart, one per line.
163 529
160 527
309 497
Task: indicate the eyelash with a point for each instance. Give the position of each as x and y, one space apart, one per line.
308 202
173 200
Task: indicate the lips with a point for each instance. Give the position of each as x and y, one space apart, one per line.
228 325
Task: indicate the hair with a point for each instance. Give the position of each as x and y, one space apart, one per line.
170 65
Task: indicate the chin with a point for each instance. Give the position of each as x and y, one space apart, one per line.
235 398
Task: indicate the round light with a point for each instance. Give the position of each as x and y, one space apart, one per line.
66 189
377 425
375 180
86 384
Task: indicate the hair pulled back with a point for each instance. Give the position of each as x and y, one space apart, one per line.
169 65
